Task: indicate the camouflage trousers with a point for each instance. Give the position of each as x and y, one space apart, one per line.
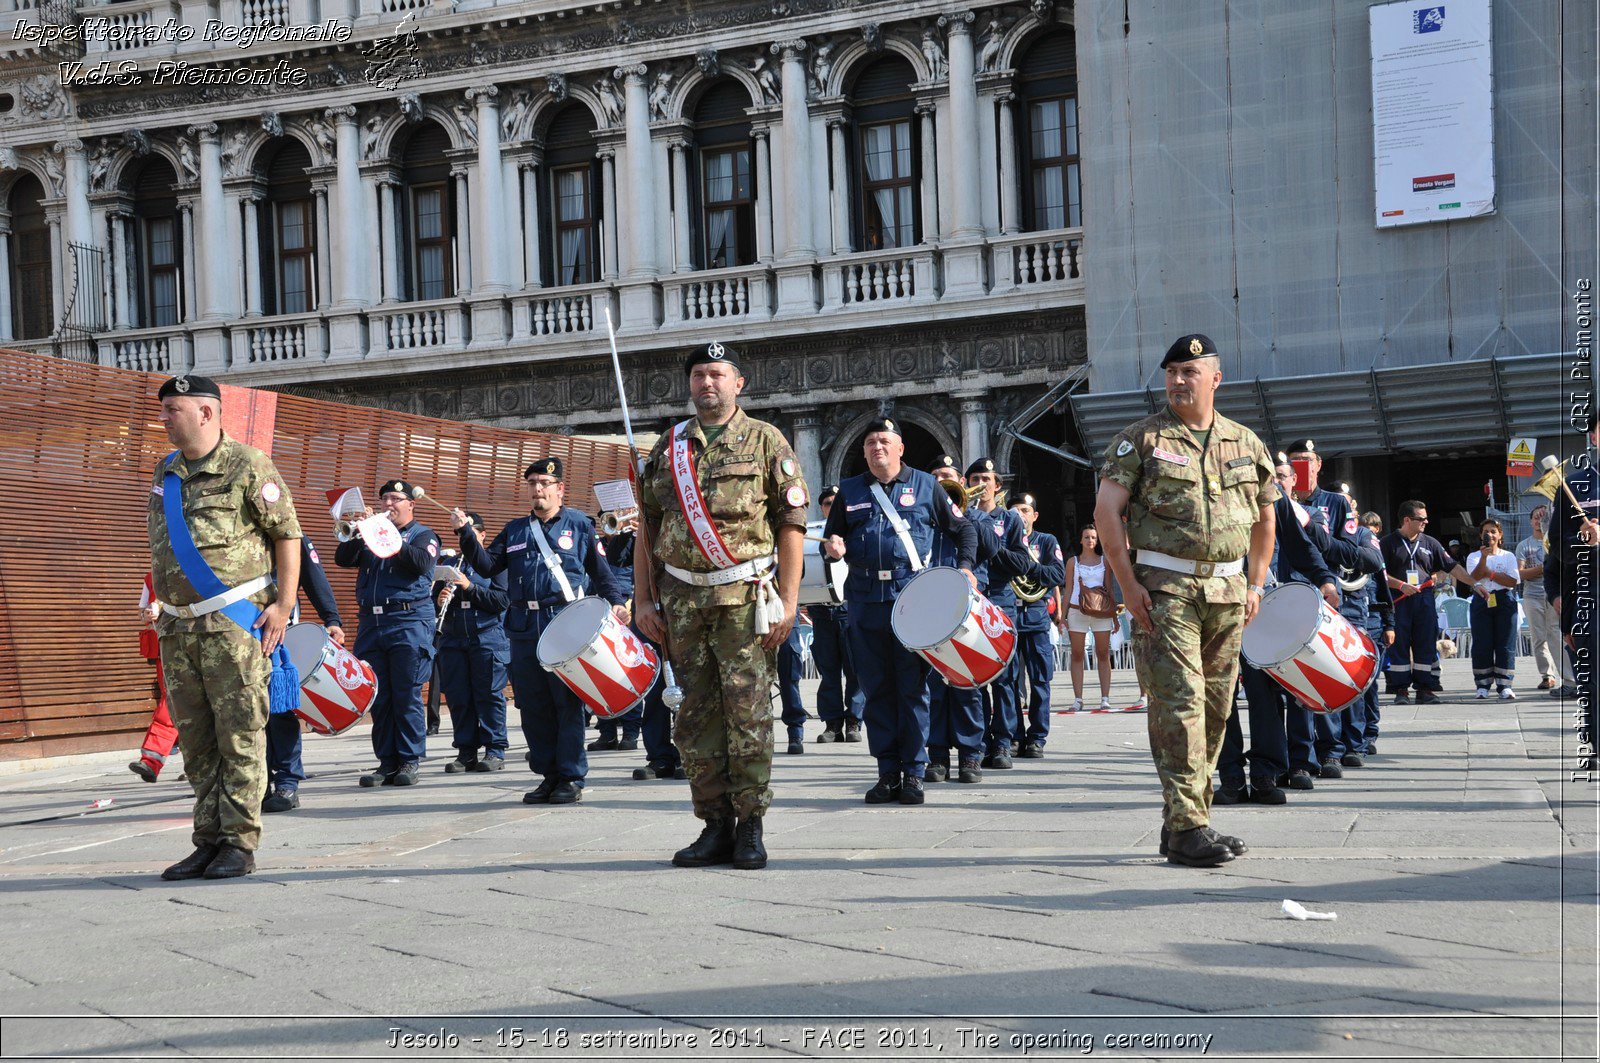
1187 668
217 693
723 729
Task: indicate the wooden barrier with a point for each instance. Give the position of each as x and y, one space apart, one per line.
78 444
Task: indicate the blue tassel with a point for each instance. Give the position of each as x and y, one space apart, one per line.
284 686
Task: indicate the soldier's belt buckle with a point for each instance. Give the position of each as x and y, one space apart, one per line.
1204 569
885 575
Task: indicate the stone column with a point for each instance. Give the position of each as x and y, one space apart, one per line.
389 238
119 254
1009 220
930 175
796 152
494 272
79 224
965 215
324 273
763 195
511 191
5 275
58 258
808 449
974 427
220 293
838 129
464 272
191 269
530 213
609 267
350 281
641 241
252 258
683 224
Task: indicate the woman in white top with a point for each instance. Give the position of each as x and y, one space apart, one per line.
1494 611
1088 569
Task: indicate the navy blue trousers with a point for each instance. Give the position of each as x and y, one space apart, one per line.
401 656
552 717
1037 661
284 770
838 692
473 680
955 718
894 682
1268 755
790 668
1414 657
1494 641
1000 696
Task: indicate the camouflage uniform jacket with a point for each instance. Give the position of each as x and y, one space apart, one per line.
1191 503
752 486
236 504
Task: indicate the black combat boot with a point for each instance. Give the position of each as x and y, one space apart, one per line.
191 866
230 862
887 791
1196 847
714 846
748 852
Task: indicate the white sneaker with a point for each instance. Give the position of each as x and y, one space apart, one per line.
1483 693
1105 703
1077 704
1142 703
1506 694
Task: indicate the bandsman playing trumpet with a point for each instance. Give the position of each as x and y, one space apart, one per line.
1036 654
553 557
396 636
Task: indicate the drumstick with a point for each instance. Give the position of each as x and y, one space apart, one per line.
1568 490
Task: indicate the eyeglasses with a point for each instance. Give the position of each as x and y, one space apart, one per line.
1419 520
539 485
392 498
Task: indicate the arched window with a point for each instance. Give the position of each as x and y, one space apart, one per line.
574 197
32 305
430 214
1048 80
289 233
158 240
727 180
886 143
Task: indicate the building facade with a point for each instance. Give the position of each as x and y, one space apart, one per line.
435 207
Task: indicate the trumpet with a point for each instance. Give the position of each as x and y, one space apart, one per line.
615 522
344 529
962 495
1028 591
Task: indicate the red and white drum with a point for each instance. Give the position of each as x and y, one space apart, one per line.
821 581
960 632
1313 652
603 662
336 687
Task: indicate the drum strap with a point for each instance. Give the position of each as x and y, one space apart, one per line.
284 687
901 528
551 561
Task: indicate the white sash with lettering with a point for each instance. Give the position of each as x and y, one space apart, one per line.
551 561
684 480
901 528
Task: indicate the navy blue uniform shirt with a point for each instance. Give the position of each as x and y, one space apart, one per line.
879 565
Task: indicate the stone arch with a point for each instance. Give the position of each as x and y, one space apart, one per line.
1020 37
911 413
546 107
266 145
29 166
850 60
694 84
395 128
125 174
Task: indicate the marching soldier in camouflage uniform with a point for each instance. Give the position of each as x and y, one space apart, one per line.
1198 491
243 524
749 485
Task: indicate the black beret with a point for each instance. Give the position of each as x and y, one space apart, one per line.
944 461
474 521
1301 446
1025 500
545 467
1188 348
981 465
715 351
196 387
397 485
882 424
831 491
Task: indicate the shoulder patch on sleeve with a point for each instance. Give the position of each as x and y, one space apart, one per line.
796 497
433 548
1124 448
270 493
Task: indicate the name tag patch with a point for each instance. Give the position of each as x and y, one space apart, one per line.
514 547
857 506
1167 455
158 490
1239 463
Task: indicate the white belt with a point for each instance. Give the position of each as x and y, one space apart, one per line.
220 601
722 577
1203 569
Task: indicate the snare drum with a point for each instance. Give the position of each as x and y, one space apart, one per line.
609 667
822 581
964 635
336 687
1313 652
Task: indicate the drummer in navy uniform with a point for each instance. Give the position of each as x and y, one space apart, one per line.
994 581
473 657
1035 651
285 771
396 635
883 557
553 557
839 701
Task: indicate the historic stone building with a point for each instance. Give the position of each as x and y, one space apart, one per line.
433 206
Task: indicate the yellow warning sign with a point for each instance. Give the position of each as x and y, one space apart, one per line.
1519 456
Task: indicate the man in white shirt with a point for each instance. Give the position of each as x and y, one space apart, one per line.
1544 624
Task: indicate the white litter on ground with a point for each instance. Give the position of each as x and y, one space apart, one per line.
1296 910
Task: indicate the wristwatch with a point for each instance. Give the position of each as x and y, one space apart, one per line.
1258 590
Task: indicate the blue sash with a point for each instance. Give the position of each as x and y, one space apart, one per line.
284 686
